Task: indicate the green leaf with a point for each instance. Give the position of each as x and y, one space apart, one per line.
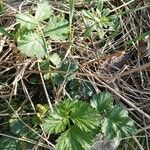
32 45
88 30
44 65
100 19
9 144
42 109
19 32
57 28
86 89
71 10
101 33
74 139
71 7
43 11
117 123
55 59
106 12
55 122
18 128
87 14
84 116
100 4
102 101
80 113
27 21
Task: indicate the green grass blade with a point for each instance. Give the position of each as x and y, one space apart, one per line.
71 9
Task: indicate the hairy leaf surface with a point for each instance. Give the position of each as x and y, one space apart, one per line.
32 45
57 28
27 21
43 11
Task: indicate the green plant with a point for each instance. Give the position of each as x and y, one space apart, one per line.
77 122
33 30
99 20
57 72
74 120
115 120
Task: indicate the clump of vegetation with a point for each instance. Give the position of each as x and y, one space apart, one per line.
56 56
79 123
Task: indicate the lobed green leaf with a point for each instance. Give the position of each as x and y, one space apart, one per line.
67 66
102 101
43 11
57 28
71 111
85 117
26 21
32 45
18 128
55 123
117 123
74 139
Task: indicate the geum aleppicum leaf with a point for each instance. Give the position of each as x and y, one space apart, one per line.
55 123
76 121
74 139
117 123
43 11
18 128
80 89
102 102
27 21
85 117
66 112
57 28
32 45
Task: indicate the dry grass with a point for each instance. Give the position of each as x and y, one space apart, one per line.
98 64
